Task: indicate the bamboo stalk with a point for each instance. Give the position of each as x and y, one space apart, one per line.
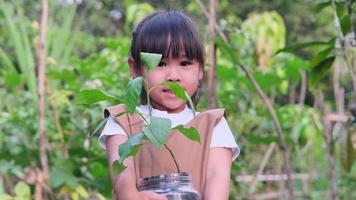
41 96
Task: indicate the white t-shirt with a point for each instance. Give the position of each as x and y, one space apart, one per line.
221 136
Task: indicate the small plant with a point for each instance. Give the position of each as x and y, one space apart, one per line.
157 129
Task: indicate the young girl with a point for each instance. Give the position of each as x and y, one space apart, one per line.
173 35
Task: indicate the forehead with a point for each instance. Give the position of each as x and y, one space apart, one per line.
171 44
170 34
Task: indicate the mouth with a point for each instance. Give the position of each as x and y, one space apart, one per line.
168 92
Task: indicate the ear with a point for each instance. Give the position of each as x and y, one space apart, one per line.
132 65
201 73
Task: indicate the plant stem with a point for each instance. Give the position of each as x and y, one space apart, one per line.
175 161
41 94
327 133
143 117
341 37
148 98
150 114
212 54
190 103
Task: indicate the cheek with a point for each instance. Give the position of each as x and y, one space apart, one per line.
193 86
151 80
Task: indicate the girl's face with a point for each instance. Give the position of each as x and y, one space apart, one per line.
183 71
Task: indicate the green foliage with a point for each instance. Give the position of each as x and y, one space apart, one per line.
133 92
92 96
22 191
176 89
135 13
190 133
294 47
150 60
268 30
19 38
346 151
117 166
130 147
157 131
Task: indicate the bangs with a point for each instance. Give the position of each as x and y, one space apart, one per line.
171 35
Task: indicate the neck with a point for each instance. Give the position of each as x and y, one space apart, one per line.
160 107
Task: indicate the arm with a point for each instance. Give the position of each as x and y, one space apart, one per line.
217 184
124 184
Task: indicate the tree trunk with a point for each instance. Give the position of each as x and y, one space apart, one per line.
41 95
212 55
327 133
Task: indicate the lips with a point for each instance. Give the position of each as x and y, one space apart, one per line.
168 92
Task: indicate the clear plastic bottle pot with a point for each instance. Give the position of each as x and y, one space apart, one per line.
177 186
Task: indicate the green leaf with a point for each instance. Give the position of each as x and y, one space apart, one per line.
191 104
226 73
176 89
92 96
157 131
191 133
12 79
71 181
226 49
82 191
130 147
319 71
293 66
295 47
22 190
57 177
6 62
321 56
6 197
117 168
133 92
150 60
345 23
266 79
346 149
262 139
320 6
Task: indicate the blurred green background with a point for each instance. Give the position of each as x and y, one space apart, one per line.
87 48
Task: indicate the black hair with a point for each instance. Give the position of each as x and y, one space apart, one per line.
168 33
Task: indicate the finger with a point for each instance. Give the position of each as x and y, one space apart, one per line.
155 196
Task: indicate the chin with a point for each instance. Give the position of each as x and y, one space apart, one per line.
175 106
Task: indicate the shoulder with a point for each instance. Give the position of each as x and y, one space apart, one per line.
114 110
217 113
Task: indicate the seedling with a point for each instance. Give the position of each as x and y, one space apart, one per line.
157 129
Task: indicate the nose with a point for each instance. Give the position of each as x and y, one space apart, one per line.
173 74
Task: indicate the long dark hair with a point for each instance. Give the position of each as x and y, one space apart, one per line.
168 33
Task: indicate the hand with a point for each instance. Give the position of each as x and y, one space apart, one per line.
144 195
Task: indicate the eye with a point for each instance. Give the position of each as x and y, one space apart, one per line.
162 64
186 63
